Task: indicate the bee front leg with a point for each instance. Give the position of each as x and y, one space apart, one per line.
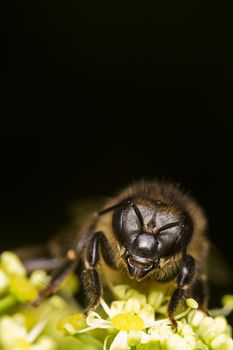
199 291
184 280
90 277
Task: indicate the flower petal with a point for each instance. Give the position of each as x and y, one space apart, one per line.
147 314
120 342
117 307
106 307
132 305
146 338
96 321
134 337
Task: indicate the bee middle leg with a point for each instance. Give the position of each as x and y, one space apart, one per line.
68 263
66 269
184 280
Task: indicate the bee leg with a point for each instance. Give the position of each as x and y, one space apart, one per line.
38 258
92 287
183 281
69 264
90 278
199 291
43 263
66 269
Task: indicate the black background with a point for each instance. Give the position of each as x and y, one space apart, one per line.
96 94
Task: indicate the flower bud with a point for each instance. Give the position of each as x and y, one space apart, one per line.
71 323
175 342
222 342
227 300
155 299
39 279
221 323
56 302
195 317
131 293
120 291
4 282
12 265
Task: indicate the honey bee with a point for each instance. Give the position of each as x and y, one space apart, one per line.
151 235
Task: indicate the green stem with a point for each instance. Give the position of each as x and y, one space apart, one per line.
6 303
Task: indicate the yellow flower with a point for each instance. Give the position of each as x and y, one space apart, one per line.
132 323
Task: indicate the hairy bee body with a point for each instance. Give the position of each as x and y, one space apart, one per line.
177 200
151 235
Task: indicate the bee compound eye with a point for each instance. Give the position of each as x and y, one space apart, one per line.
117 221
125 224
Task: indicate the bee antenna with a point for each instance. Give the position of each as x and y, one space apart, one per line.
121 204
138 213
113 207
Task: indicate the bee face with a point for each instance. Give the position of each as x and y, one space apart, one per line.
147 233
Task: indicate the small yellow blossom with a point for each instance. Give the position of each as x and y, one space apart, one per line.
128 322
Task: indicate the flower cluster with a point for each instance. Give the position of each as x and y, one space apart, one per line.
140 322
23 327
132 321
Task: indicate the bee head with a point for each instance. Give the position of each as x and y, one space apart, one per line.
148 233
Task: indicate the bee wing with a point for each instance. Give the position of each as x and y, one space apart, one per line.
83 207
52 254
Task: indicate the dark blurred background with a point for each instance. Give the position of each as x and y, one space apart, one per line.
96 94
